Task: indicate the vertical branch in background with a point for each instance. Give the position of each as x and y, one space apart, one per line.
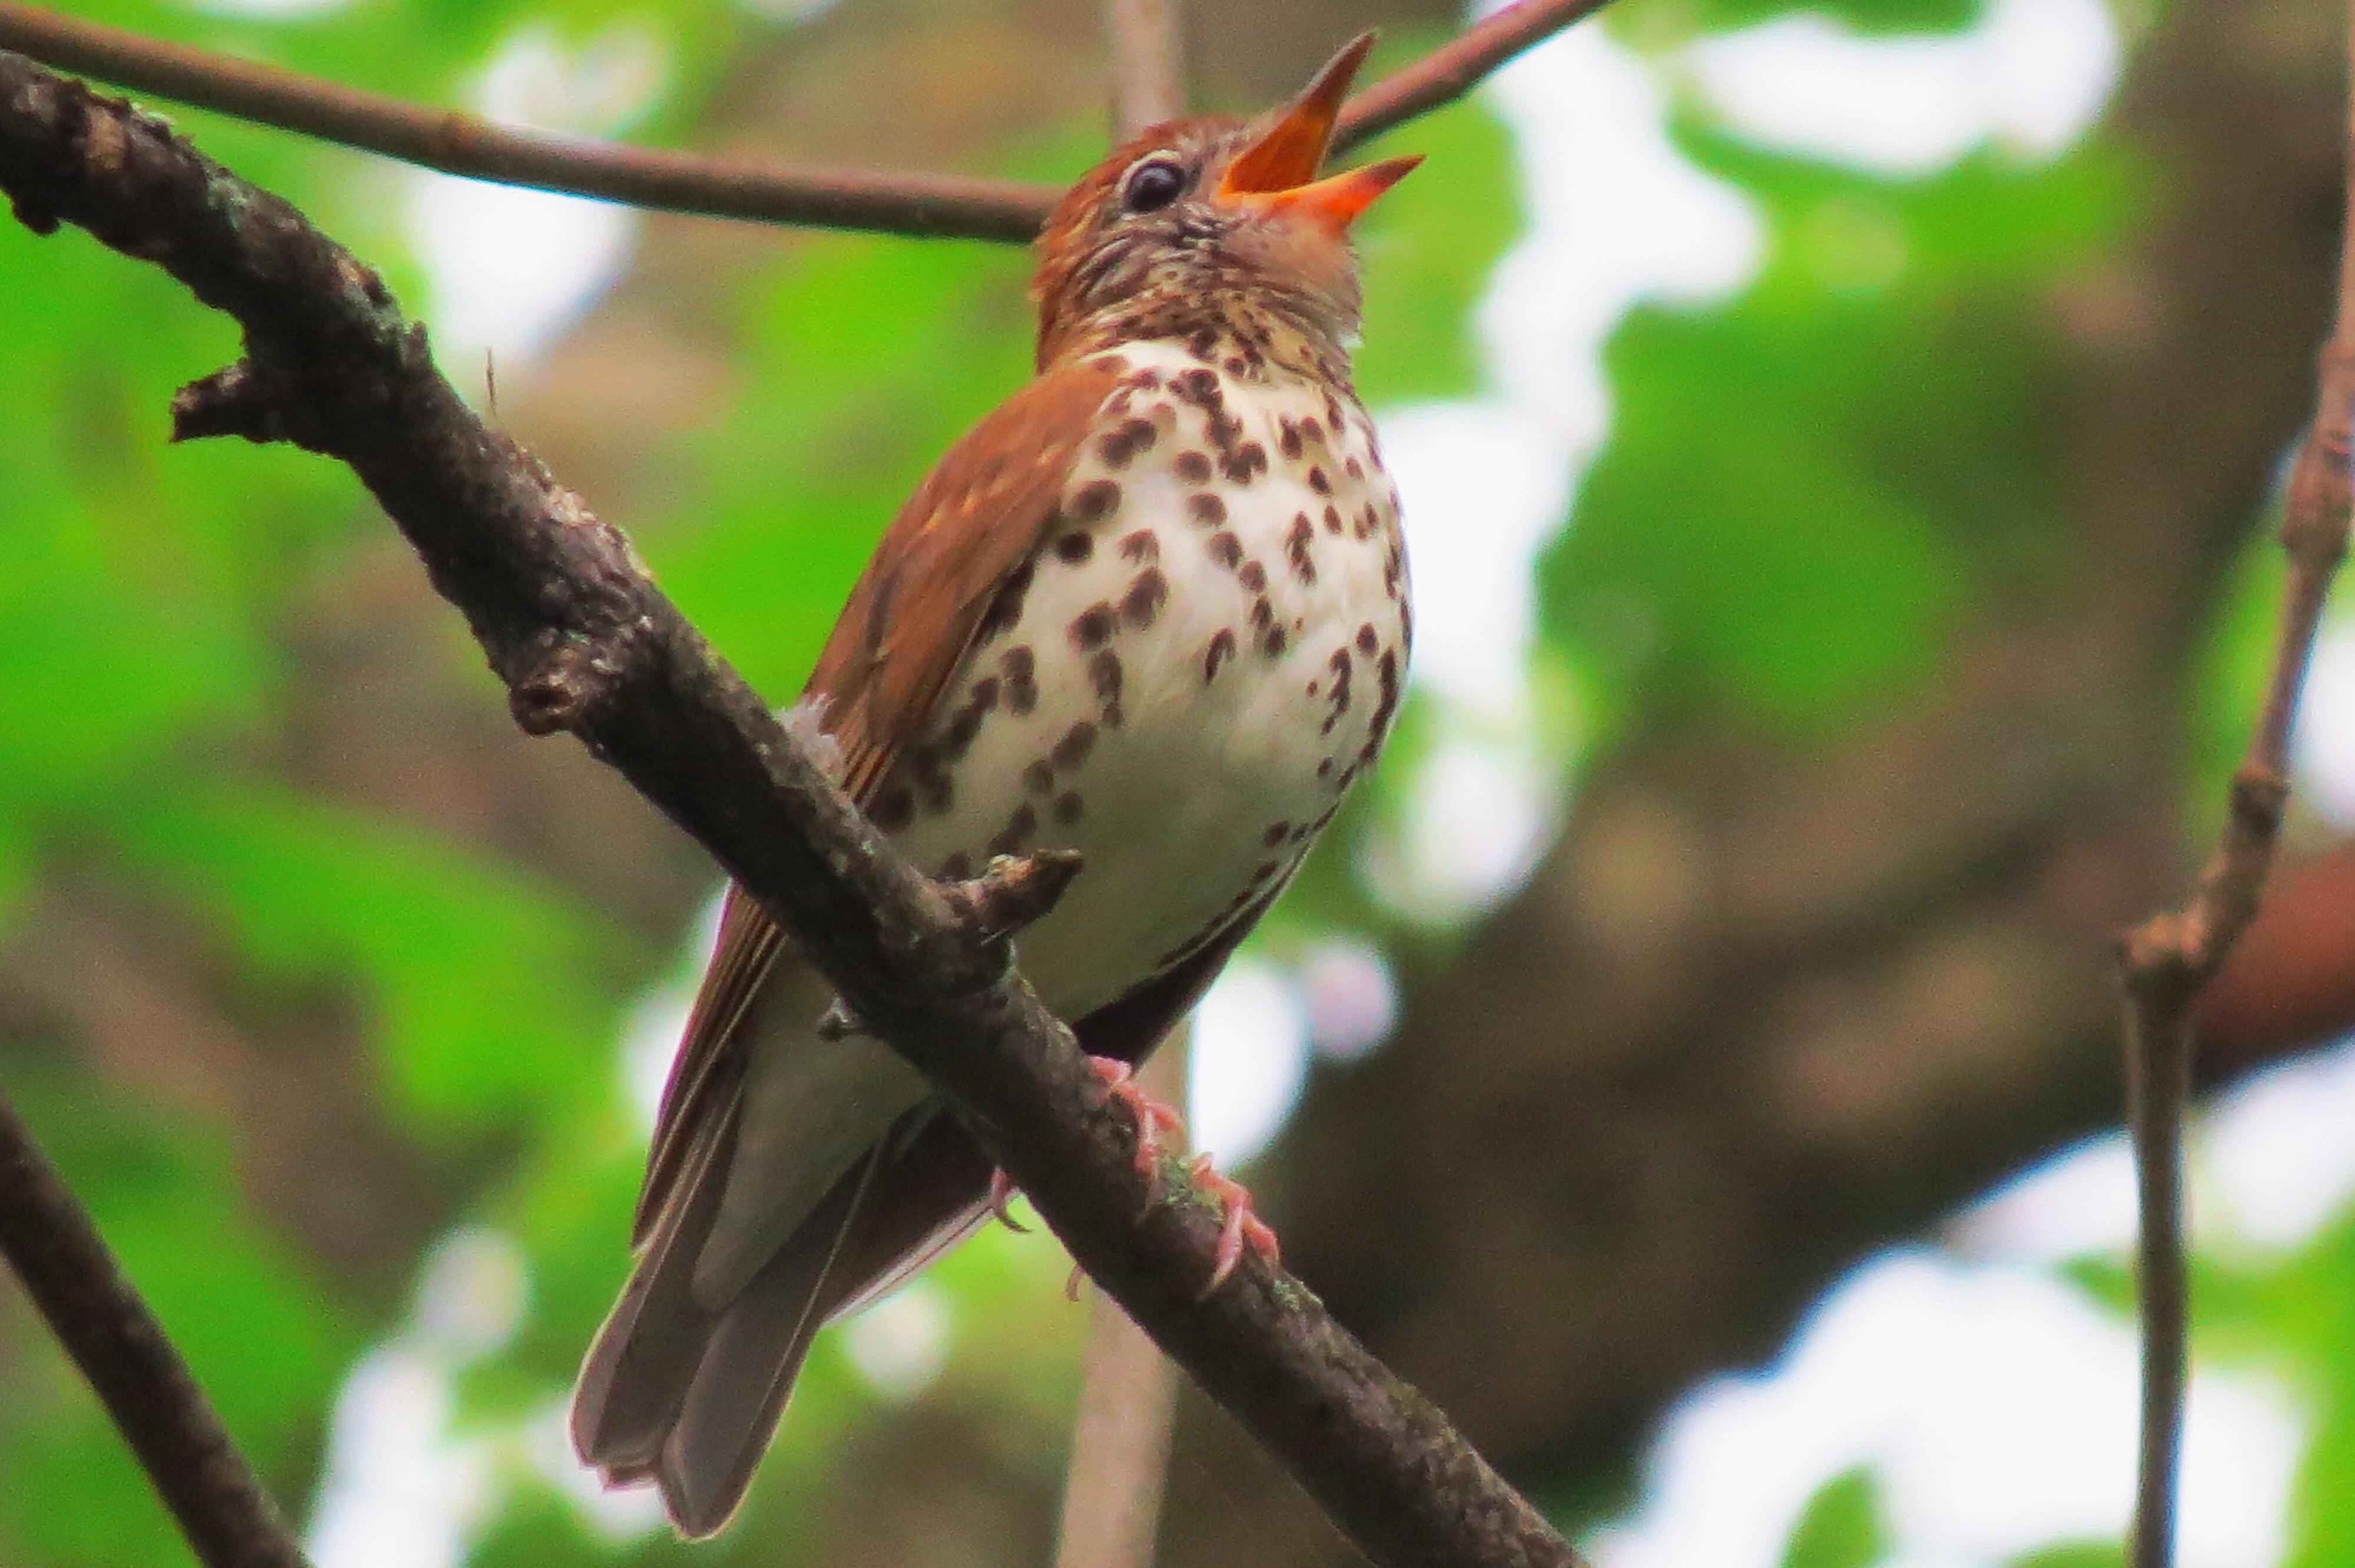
2170 957
49 1239
1128 1404
1128 1389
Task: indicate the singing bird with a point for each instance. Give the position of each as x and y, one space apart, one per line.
1151 609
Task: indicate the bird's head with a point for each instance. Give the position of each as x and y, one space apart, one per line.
1199 223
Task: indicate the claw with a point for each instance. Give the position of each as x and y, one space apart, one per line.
1001 1193
1152 1117
838 1022
1242 1229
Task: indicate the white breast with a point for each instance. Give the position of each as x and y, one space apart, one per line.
1201 663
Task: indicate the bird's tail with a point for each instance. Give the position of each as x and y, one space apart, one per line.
687 1395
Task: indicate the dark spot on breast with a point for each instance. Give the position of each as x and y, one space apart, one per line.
1310 429
1254 577
1287 437
1237 366
1386 671
1340 666
1295 548
956 868
1004 610
1369 520
934 788
1205 508
894 808
1325 768
1117 447
1226 549
1075 547
1104 675
1354 469
1367 640
1199 387
1146 378
1015 837
1038 777
1221 649
1095 499
1093 628
1244 462
1275 833
1266 870
1317 481
1145 597
1203 345
1073 749
1141 546
1332 519
1069 808
1021 669
1193 468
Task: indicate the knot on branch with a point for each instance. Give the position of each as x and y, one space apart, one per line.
238 401
1011 893
573 680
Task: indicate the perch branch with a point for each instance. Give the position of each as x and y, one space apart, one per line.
49 1240
2170 958
560 603
935 206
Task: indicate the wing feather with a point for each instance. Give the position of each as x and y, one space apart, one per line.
984 510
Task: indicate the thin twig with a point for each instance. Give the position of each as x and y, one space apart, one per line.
51 1242
2171 957
332 365
1455 68
938 206
460 143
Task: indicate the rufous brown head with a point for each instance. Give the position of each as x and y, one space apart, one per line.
1199 222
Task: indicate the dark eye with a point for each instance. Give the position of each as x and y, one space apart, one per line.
1152 185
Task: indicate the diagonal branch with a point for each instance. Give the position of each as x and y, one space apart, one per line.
923 205
50 1243
2169 959
1455 68
570 620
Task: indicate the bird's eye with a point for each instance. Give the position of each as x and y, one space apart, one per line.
1153 184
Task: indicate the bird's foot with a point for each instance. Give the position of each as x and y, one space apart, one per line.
1243 1230
1153 1118
1001 1193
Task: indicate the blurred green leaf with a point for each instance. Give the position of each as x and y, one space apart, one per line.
1841 1526
1800 487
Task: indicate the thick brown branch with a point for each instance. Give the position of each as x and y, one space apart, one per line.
2170 957
1447 73
341 373
460 143
50 1243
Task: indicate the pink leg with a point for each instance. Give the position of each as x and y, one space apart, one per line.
1153 1118
1001 1193
1243 1229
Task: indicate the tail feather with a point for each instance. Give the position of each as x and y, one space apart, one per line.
688 1397
637 1368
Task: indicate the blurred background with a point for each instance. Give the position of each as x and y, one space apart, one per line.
1839 446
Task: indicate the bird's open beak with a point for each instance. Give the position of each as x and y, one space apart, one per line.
1277 173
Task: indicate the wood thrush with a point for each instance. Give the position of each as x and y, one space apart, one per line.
1154 609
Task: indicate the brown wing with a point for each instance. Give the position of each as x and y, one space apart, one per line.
976 518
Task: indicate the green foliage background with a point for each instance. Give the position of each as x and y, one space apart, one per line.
1878 476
